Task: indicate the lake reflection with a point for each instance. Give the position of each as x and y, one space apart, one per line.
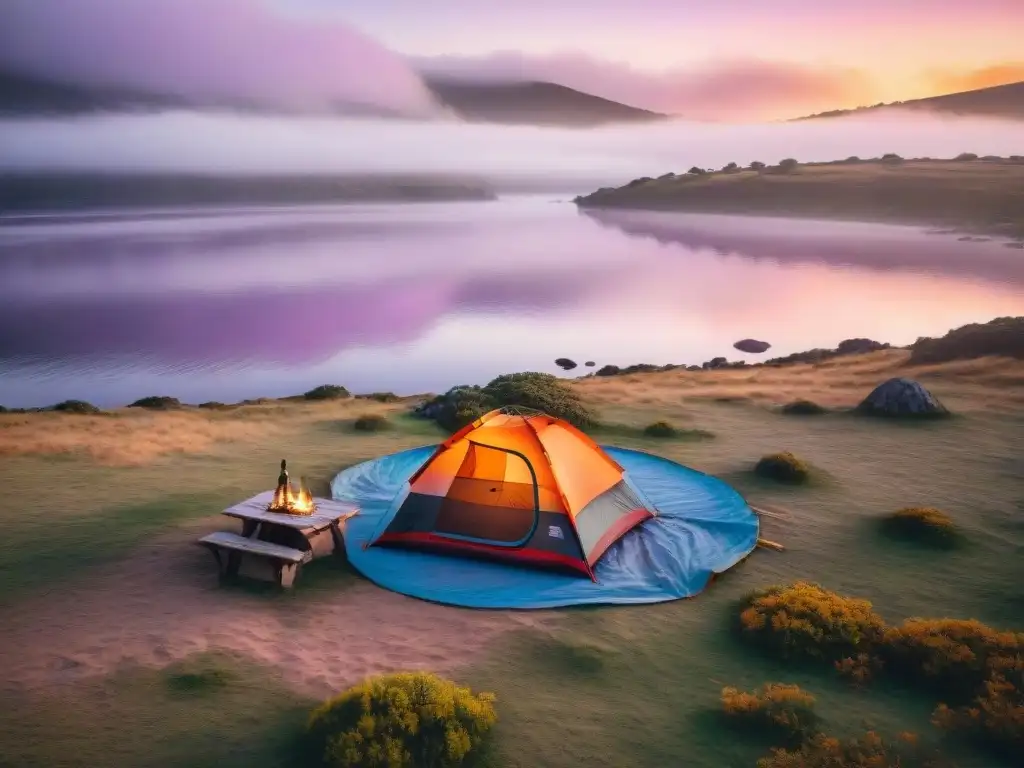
229 304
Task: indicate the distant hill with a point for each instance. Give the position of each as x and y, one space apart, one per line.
1006 101
510 103
533 103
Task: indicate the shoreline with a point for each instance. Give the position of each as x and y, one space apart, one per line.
1000 337
966 195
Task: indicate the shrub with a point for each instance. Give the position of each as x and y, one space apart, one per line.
859 669
660 429
408 720
381 397
76 406
965 156
852 159
778 709
806 621
1003 336
787 165
954 657
995 719
891 158
757 165
783 467
370 422
213 405
457 407
541 392
868 751
157 403
730 168
803 408
327 392
923 524
697 171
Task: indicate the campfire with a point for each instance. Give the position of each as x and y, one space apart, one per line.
286 500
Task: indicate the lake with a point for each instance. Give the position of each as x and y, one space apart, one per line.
228 304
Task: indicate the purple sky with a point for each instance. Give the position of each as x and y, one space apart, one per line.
730 58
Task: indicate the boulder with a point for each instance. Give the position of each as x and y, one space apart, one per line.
565 363
752 346
902 398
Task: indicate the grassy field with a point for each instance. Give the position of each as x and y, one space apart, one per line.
602 687
973 195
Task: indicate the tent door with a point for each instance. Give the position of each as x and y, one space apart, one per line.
493 500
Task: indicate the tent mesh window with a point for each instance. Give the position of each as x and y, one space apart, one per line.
488 499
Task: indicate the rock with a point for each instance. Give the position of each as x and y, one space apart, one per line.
590 363
902 398
565 363
752 346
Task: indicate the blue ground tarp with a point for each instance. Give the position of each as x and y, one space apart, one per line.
704 527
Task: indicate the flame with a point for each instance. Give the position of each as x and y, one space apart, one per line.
287 500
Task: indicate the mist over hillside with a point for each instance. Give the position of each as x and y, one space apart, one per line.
189 142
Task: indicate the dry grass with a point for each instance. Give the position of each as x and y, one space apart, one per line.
134 436
984 196
842 382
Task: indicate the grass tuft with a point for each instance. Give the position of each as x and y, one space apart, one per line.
783 467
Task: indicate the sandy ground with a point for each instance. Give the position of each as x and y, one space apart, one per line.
164 604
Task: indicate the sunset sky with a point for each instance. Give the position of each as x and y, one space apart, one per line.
851 51
729 59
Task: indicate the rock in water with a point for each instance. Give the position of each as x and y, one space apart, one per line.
752 346
565 363
902 398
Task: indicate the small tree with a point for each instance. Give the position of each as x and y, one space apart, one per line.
697 171
757 165
730 168
788 165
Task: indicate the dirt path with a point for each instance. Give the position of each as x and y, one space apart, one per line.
163 604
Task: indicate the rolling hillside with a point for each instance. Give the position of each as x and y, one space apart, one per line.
1005 101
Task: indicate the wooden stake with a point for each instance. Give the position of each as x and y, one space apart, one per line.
771 545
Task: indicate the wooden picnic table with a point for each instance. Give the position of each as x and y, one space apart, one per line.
284 542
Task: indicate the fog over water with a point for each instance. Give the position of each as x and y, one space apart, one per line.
233 143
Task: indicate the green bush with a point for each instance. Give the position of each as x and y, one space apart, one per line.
537 391
214 405
788 165
327 392
157 403
76 406
966 156
783 467
921 524
541 392
778 709
868 751
803 408
371 422
806 621
381 397
407 720
660 429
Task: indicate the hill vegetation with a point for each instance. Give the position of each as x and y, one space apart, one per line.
1006 101
973 194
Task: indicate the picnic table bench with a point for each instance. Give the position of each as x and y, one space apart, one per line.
275 545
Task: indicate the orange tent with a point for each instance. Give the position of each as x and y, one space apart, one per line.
520 486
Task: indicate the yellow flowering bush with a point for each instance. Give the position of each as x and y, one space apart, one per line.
779 709
953 656
868 751
784 467
995 718
807 621
922 524
407 720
